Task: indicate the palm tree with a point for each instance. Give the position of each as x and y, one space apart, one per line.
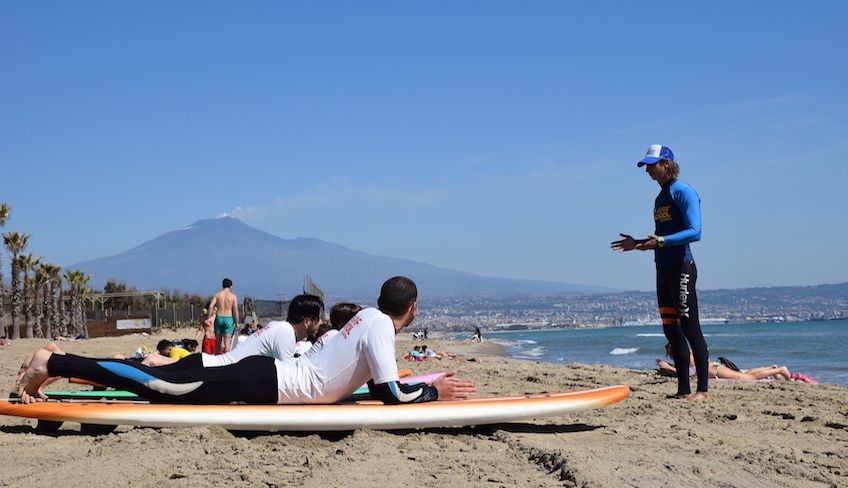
4 215
51 310
27 263
15 242
39 283
77 281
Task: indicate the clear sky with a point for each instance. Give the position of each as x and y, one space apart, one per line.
498 138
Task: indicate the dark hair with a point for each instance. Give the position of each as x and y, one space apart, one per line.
341 313
304 307
673 169
323 329
163 344
190 344
227 283
397 295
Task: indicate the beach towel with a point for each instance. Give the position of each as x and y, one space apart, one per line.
804 378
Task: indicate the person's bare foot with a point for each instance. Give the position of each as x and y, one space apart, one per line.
29 382
51 346
698 396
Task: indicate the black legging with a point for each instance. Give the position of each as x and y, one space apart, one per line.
252 380
678 305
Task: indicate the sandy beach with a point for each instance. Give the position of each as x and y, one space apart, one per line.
748 435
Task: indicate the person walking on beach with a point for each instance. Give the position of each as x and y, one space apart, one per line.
224 307
677 219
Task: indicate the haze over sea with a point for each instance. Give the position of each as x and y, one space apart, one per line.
813 348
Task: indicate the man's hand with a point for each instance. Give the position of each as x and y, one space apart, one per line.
646 244
628 243
451 388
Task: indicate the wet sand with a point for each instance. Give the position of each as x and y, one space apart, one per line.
748 435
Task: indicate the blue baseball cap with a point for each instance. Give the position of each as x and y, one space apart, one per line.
655 154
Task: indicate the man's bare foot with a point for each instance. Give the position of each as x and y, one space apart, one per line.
29 383
698 396
51 346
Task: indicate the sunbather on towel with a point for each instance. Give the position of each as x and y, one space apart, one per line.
718 370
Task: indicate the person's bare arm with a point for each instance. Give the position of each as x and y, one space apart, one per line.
666 369
235 310
212 305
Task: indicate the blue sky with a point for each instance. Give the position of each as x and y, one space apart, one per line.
493 137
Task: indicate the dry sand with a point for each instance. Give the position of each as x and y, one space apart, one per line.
748 435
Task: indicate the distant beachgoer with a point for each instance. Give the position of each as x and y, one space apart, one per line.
677 218
364 350
718 370
206 330
478 336
161 357
224 307
176 352
190 345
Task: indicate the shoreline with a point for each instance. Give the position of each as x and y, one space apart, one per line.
747 435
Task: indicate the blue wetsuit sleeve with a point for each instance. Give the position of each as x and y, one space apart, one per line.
395 392
690 207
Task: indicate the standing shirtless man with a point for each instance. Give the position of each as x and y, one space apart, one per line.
224 307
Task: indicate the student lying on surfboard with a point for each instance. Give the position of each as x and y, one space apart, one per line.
364 350
276 340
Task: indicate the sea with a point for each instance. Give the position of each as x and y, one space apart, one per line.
817 349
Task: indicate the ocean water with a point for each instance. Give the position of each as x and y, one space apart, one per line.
817 349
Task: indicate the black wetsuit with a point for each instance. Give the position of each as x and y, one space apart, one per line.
677 217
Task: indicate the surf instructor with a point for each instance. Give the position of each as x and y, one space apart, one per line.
677 220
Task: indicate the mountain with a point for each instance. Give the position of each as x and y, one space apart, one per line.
196 258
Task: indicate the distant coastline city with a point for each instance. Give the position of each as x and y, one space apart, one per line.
778 304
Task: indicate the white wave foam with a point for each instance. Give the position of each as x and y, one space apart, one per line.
619 351
532 353
650 335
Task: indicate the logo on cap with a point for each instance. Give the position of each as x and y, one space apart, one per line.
656 152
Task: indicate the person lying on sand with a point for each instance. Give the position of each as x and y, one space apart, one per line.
717 370
364 350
